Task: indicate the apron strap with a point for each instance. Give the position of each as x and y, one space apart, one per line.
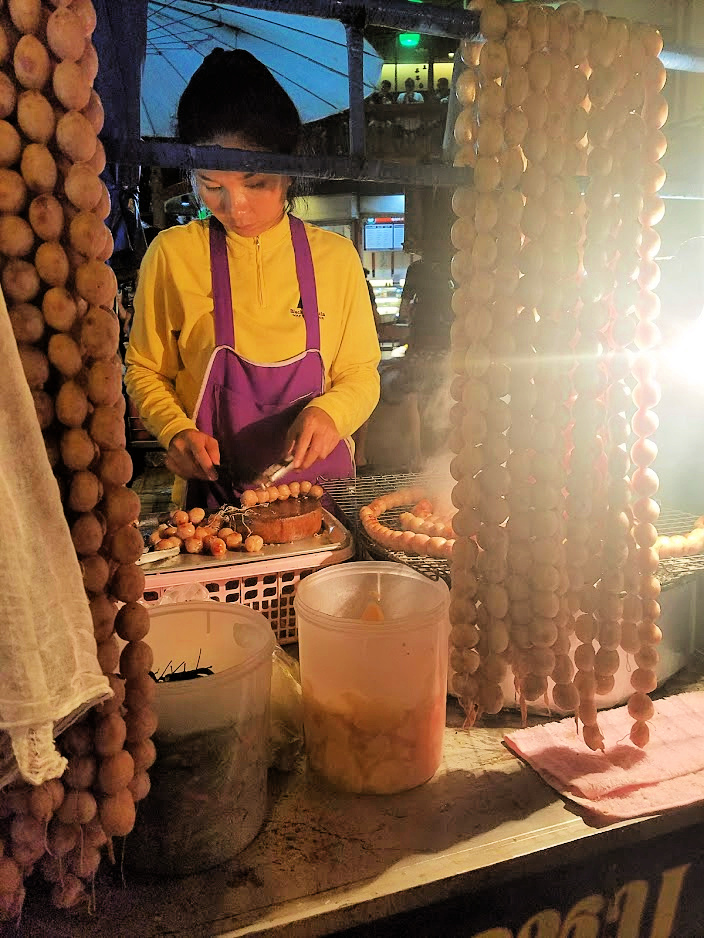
306 282
222 291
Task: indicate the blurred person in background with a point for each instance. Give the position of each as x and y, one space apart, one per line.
384 95
410 95
426 307
380 127
442 90
409 125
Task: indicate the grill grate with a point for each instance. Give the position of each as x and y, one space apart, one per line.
674 569
351 495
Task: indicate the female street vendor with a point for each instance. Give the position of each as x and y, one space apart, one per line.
253 336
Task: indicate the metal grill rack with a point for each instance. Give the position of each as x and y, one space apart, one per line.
675 569
350 496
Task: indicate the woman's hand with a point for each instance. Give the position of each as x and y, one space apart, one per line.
312 436
193 455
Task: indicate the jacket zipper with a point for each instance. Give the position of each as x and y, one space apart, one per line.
260 272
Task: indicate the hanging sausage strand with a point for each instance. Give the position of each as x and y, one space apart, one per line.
555 563
60 295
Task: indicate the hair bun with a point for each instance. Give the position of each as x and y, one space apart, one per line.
232 92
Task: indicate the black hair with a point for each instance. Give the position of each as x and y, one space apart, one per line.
232 92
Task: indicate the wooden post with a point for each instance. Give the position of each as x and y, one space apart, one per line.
157 191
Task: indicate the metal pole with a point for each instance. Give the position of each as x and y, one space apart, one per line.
395 14
682 59
430 20
156 186
152 152
355 69
119 77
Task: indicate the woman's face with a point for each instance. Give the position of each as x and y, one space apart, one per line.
246 203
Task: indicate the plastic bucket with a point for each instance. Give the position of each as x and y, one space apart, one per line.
374 692
209 781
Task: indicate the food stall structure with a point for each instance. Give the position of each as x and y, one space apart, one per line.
486 848
120 93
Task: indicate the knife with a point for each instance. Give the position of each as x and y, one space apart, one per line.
229 475
273 473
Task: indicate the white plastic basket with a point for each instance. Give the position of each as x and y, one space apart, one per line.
267 586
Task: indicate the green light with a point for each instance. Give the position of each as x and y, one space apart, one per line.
409 40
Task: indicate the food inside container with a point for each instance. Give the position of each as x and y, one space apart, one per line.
373 654
367 744
208 794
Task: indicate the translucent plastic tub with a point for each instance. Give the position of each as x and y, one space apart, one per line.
374 690
208 794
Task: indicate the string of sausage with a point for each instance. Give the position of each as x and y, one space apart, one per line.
409 541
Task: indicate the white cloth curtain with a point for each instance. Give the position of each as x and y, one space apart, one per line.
49 672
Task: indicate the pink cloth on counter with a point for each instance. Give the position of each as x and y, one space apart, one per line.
623 781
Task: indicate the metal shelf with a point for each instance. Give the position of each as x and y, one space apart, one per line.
168 153
129 148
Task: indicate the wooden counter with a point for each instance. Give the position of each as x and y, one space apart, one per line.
326 861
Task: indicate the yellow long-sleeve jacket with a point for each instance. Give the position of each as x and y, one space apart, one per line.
173 333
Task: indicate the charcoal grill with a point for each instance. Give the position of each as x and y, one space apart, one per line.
351 495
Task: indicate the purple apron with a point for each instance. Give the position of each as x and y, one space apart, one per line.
247 406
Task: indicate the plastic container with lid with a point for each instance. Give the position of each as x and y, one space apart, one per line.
373 654
209 782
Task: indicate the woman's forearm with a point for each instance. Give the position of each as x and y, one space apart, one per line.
158 404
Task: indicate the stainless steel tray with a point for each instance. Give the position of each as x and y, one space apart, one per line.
334 536
157 556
